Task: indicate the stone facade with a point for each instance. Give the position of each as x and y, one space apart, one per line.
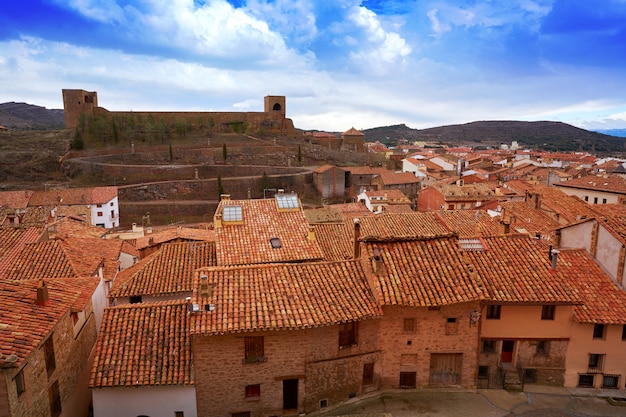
271 120
409 349
309 361
71 357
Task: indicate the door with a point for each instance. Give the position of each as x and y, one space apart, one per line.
290 394
445 368
507 351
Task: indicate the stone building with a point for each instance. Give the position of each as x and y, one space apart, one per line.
273 119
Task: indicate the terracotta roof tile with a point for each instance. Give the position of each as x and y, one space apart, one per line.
523 215
15 199
603 300
336 240
72 226
471 222
167 235
165 272
606 183
23 323
517 269
421 273
403 226
248 241
282 297
12 241
73 196
145 344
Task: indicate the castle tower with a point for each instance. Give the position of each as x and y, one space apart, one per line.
275 107
77 102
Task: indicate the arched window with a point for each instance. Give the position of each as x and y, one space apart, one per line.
276 107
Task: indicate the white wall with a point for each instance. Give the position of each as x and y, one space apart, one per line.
99 302
106 219
148 401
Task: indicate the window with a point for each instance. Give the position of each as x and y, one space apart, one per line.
254 349
587 198
610 381
347 334
275 242
408 380
547 312
98 205
111 204
409 325
493 312
253 391
452 326
134 299
48 348
543 347
483 372
585 381
368 374
112 214
598 331
242 414
624 333
323 403
54 396
530 375
489 346
20 383
595 200
179 414
604 201
232 214
596 362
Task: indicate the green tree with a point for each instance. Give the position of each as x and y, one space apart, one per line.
220 187
171 153
265 182
116 133
77 143
224 152
299 154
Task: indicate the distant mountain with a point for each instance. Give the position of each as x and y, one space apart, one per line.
613 132
28 116
550 136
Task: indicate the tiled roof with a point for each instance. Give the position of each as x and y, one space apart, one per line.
167 271
389 196
326 214
352 210
59 258
606 183
336 240
403 226
25 324
327 167
421 273
283 297
145 344
249 241
517 269
610 210
398 178
523 215
182 233
467 192
353 132
15 199
73 196
12 241
603 300
471 222
72 226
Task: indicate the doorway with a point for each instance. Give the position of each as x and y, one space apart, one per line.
290 394
507 351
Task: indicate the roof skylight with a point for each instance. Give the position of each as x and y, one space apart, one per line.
287 201
233 214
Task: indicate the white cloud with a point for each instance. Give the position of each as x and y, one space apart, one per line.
99 10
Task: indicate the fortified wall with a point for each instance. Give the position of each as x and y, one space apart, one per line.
272 120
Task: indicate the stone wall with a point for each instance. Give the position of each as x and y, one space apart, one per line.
411 351
312 356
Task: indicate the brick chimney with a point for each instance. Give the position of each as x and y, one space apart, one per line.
357 235
42 294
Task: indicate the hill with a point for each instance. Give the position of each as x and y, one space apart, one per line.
546 135
28 116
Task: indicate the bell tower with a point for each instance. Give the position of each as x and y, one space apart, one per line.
275 107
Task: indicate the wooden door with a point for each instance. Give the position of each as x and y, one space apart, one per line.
445 368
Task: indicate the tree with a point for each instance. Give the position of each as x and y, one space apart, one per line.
299 154
171 153
220 187
265 182
77 143
116 133
224 151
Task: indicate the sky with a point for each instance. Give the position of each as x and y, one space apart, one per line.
340 63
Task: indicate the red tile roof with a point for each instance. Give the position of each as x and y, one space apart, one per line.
165 272
12 241
145 344
603 300
73 196
15 199
607 183
517 269
398 178
283 297
421 273
336 240
402 226
248 241
23 323
177 233
471 222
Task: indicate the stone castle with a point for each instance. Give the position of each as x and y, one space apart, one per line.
272 120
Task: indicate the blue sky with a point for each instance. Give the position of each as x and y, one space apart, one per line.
340 63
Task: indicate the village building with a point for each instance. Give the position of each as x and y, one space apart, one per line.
385 201
602 189
330 181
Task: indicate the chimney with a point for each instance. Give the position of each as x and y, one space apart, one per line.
506 227
204 286
311 235
555 255
377 262
217 221
550 252
42 293
224 197
357 235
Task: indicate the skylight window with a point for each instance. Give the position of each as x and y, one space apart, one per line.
287 201
275 242
471 244
233 214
